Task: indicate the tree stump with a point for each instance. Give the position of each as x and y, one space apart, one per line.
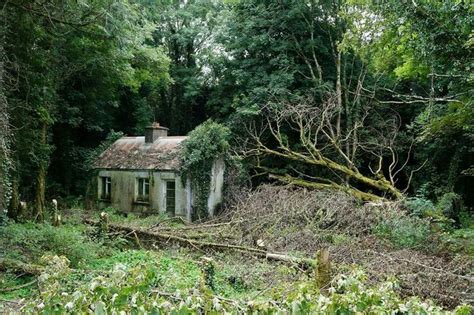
56 215
323 269
208 270
104 223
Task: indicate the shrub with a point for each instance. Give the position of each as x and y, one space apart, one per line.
450 205
405 231
459 241
419 206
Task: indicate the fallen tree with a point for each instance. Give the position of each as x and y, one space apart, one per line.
166 238
304 221
306 132
17 266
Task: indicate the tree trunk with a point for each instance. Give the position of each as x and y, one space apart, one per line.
14 207
381 184
338 92
19 267
40 204
323 270
4 129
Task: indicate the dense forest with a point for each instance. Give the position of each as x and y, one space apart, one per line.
371 101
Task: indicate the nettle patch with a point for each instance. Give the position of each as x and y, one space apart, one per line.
205 144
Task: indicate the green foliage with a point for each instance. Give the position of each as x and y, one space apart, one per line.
29 241
419 206
459 241
94 154
75 67
405 231
450 205
132 290
205 144
451 225
426 45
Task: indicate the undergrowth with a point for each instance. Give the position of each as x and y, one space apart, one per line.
139 290
27 242
405 231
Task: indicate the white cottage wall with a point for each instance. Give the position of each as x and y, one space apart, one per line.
124 190
217 185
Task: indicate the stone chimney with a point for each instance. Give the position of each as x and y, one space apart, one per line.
155 131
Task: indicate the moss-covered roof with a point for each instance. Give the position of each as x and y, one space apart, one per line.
130 153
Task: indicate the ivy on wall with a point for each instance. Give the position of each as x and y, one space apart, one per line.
208 142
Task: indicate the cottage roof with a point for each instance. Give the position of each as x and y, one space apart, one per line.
134 153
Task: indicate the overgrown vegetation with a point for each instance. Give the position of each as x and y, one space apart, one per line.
386 238
350 104
29 242
206 144
102 266
112 293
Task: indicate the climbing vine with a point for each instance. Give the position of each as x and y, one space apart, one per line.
205 144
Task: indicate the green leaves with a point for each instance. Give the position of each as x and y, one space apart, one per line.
130 291
207 143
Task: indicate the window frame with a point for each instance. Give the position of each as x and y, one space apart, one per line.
172 210
105 188
142 184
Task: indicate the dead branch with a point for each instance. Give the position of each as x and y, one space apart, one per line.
321 144
199 244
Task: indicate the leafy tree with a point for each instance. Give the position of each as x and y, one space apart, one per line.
426 47
70 62
186 30
287 52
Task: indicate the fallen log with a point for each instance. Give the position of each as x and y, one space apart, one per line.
308 262
16 266
200 244
200 226
18 287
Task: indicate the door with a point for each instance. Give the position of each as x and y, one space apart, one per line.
171 198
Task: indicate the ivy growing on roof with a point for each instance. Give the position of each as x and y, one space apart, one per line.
205 144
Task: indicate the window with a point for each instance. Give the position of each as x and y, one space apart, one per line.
106 187
170 197
143 192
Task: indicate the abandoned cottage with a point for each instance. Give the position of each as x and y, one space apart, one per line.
142 175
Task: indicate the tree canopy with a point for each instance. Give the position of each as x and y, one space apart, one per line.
397 77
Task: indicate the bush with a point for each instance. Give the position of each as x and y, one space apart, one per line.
405 231
30 241
419 206
459 241
450 205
